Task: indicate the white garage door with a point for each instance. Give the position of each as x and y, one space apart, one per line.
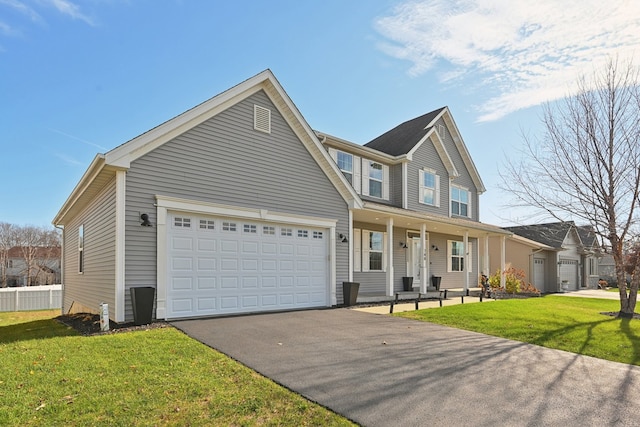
569 273
539 273
224 265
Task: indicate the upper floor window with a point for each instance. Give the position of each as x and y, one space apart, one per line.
460 201
429 188
375 179
345 164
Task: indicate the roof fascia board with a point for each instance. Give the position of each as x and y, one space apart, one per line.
301 128
532 243
440 149
123 155
462 148
360 150
94 169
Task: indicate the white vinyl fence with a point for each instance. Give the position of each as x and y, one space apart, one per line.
31 298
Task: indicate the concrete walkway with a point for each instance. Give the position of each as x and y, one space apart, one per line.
384 370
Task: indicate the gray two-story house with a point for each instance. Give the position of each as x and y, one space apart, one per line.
239 206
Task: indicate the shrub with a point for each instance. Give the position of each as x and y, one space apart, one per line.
513 281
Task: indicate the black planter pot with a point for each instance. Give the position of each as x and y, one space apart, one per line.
142 303
407 284
435 282
350 293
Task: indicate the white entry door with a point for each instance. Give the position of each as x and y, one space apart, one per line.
414 260
220 265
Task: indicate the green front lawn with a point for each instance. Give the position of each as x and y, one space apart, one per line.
51 376
565 323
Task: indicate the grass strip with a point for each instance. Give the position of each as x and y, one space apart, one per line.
51 376
566 323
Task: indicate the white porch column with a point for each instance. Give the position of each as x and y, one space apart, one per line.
485 266
390 256
350 245
503 263
465 243
423 258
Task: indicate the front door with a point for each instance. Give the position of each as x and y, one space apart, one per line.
414 260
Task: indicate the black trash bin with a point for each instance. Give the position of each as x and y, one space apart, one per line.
142 303
407 283
350 293
435 282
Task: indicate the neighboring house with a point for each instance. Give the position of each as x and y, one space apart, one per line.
607 268
31 266
238 206
527 255
569 261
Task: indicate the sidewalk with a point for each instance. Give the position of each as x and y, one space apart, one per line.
455 300
410 305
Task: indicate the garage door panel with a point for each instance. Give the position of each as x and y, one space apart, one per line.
207 264
229 283
182 244
206 283
182 283
182 264
221 266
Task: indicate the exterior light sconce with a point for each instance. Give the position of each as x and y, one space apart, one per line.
403 245
434 247
145 220
343 238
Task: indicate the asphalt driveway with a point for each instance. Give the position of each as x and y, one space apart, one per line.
380 371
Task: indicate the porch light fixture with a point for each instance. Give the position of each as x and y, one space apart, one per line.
145 220
434 247
403 245
343 238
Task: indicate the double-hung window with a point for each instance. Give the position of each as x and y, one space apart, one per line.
345 164
460 201
375 179
456 256
429 188
368 250
81 249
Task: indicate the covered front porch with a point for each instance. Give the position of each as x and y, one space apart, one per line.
390 245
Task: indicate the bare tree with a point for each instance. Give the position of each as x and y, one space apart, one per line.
7 241
37 246
586 166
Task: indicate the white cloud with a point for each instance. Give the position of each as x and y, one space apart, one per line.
22 8
71 9
521 53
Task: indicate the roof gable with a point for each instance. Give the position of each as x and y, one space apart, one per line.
552 234
120 158
407 137
404 137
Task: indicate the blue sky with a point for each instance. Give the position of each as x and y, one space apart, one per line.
79 78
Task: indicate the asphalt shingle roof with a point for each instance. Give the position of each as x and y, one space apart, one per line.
402 138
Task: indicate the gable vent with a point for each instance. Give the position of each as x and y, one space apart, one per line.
261 119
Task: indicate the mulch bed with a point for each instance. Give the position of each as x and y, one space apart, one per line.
89 324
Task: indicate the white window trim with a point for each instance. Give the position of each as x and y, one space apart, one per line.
459 187
467 256
366 178
81 261
361 250
421 186
357 165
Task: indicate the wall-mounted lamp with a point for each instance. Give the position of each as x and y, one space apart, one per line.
343 238
403 245
145 220
434 247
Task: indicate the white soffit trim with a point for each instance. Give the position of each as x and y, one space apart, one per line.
440 149
198 207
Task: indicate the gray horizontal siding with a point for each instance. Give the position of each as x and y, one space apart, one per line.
225 161
97 284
